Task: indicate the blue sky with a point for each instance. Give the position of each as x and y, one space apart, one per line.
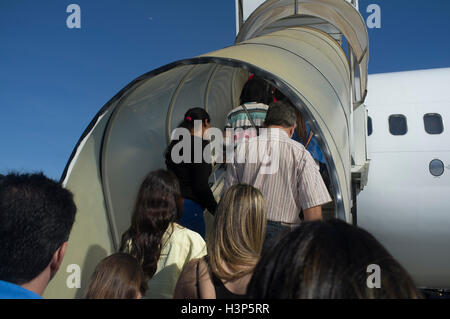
53 80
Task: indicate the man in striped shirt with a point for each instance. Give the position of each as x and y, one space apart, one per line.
282 169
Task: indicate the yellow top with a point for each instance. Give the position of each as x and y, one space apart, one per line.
178 248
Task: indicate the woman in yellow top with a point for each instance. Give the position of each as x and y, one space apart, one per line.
160 244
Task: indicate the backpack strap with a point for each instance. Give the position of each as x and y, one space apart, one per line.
311 134
250 118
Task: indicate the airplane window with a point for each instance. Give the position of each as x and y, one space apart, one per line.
369 126
397 124
433 123
436 167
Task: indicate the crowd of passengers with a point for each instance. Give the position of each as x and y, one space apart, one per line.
267 239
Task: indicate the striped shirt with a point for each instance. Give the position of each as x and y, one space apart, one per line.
284 172
238 118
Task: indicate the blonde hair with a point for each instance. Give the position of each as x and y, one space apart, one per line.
238 232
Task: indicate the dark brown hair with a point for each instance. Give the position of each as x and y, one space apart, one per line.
118 276
328 260
194 114
301 126
256 90
154 212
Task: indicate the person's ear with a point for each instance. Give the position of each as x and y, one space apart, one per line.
57 259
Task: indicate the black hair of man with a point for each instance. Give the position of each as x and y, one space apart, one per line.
256 90
280 113
279 96
36 217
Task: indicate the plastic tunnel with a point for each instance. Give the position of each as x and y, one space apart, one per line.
127 138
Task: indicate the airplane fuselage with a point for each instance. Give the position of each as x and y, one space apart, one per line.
406 203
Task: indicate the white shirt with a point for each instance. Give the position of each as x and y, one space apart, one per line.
283 170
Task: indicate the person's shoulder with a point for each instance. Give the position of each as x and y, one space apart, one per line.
192 264
249 106
295 148
185 234
258 106
234 110
299 151
186 281
12 291
190 267
283 137
296 145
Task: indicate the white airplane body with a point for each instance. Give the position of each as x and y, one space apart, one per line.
403 204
